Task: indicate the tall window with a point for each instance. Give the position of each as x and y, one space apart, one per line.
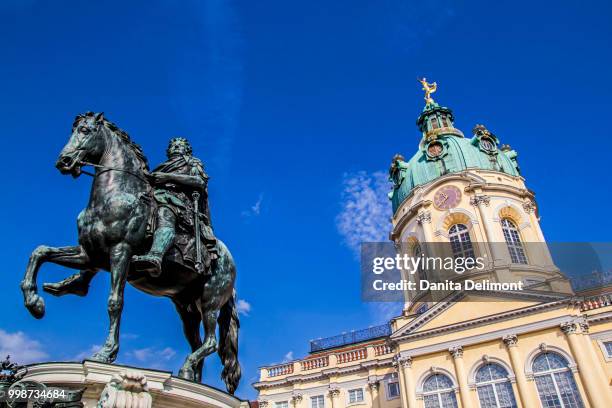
317 402
355 395
513 240
444 122
608 346
393 390
438 392
416 253
434 122
460 241
494 388
555 382
282 404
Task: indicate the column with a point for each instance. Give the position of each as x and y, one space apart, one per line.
402 381
457 353
407 383
592 353
373 385
596 389
526 395
477 201
406 364
333 394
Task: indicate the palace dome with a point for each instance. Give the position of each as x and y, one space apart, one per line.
444 150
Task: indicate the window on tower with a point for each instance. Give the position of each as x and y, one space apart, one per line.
513 240
461 244
444 121
417 252
434 122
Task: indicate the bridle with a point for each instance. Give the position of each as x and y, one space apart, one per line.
109 168
100 166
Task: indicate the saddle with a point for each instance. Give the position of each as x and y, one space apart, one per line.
183 250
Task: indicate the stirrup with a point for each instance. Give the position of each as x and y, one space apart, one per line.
150 264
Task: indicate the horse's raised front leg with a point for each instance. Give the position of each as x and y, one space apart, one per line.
120 256
193 361
71 257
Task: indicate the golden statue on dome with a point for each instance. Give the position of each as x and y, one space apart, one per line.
429 89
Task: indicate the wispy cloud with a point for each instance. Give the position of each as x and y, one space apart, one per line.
255 209
217 89
21 348
85 354
153 357
366 210
382 312
243 307
288 357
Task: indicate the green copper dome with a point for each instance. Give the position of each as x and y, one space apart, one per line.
443 150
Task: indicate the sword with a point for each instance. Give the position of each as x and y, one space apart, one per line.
196 199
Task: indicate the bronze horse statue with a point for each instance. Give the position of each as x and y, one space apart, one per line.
113 228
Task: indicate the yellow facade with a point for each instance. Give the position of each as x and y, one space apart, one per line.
512 338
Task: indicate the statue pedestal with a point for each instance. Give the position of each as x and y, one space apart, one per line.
115 386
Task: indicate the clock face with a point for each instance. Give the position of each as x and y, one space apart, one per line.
447 197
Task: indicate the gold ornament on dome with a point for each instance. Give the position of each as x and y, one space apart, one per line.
429 88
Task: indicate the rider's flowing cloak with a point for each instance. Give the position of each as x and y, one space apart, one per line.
178 199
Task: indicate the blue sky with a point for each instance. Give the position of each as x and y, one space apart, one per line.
296 108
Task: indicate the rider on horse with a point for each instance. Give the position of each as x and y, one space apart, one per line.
175 182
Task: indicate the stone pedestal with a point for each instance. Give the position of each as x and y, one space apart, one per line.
115 386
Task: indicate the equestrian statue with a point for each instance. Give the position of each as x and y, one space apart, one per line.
152 230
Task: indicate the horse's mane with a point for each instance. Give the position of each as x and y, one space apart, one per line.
119 132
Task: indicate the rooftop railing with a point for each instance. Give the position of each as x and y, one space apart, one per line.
350 338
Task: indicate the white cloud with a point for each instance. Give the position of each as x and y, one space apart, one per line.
255 209
151 354
85 354
243 307
382 312
21 348
366 209
288 357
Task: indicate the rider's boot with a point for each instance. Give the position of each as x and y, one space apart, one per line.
151 263
77 284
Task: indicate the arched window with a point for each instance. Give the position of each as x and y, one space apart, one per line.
438 392
513 240
417 252
460 241
555 382
494 388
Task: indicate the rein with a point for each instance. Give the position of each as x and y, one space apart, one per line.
108 168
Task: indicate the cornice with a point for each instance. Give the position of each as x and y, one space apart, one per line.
501 334
407 332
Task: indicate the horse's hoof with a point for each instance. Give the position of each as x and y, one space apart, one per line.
187 373
105 355
36 306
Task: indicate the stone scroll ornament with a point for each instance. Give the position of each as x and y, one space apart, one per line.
128 389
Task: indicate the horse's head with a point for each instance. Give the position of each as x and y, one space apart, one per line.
86 143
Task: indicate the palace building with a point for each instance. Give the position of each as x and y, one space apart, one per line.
548 345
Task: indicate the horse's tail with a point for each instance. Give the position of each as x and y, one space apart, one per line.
228 344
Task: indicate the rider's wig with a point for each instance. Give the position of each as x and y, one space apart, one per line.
183 141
